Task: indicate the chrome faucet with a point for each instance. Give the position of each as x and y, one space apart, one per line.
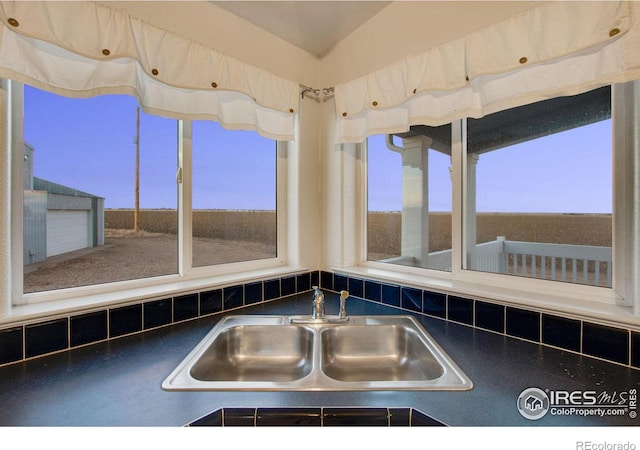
343 305
318 304
317 311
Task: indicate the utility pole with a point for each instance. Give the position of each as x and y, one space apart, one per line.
136 211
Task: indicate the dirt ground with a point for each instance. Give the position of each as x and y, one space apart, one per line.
127 256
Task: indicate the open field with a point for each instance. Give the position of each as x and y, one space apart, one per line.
127 256
578 229
232 236
257 226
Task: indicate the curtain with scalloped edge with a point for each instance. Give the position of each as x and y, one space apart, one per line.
105 51
554 49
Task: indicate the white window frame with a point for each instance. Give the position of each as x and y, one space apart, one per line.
528 291
187 277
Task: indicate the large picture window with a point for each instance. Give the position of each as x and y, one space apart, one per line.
100 195
536 188
539 197
102 203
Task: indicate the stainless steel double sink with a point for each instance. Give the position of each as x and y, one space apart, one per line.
267 353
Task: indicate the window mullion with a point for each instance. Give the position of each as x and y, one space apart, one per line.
184 180
458 147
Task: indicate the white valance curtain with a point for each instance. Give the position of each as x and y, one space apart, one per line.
553 49
82 49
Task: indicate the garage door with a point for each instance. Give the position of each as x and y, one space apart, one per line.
67 231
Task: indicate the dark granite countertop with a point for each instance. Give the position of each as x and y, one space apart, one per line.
117 383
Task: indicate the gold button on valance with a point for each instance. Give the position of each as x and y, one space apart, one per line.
106 52
13 22
155 71
523 60
614 31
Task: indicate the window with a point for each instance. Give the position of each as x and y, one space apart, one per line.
536 195
81 187
234 196
102 199
539 190
409 198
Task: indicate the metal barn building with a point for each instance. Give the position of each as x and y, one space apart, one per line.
58 219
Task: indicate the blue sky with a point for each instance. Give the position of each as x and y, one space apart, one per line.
568 172
88 144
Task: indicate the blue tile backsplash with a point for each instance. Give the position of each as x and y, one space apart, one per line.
340 283
210 302
316 417
271 289
373 291
157 313
561 332
605 342
11 345
490 316
185 307
460 310
46 337
233 296
390 294
411 299
88 328
523 324
125 320
253 293
619 345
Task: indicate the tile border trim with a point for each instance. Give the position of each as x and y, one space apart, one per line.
404 298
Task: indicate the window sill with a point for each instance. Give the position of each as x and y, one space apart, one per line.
162 287
579 308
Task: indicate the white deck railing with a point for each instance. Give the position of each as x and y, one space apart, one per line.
575 263
560 262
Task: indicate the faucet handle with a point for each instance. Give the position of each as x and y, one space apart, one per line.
343 304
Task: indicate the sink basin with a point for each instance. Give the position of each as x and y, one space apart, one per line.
257 353
377 353
269 353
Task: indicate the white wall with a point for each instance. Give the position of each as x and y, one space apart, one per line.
304 211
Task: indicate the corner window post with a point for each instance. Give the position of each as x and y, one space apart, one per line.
626 243
11 112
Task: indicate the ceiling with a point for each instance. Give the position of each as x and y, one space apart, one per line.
315 26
